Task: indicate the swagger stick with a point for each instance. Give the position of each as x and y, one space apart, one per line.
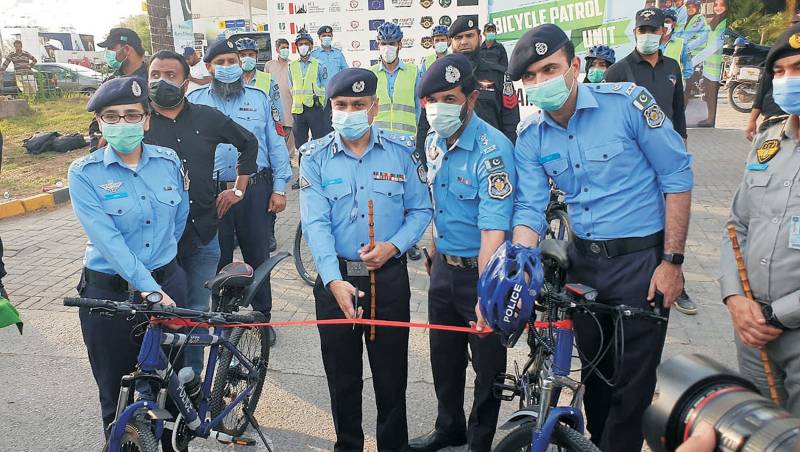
773 391
372 273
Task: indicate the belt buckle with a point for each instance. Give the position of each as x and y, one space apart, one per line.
455 261
595 248
356 268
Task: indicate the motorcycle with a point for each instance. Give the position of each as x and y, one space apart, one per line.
742 73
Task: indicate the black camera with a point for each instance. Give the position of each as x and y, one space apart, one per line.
695 389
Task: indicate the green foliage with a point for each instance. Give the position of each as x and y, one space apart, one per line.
140 23
751 20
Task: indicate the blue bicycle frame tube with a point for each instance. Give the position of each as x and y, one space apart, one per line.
541 437
119 427
562 358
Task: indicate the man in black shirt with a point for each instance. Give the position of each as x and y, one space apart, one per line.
763 104
491 50
194 131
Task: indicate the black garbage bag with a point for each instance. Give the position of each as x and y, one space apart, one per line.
39 142
68 142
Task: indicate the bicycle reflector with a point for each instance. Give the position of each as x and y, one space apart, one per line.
508 288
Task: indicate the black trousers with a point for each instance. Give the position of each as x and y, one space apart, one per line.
111 349
313 119
451 301
342 349
614 413
252 224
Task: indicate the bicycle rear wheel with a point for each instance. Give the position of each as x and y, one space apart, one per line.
231 376
303 260
558 226
564 439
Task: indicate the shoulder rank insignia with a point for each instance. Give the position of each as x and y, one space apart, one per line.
499 185
642 100
617 87
494 165
303 182
111 187
767 150
654 116
630 89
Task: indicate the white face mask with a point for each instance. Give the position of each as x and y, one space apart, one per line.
303 50
667 29
388 53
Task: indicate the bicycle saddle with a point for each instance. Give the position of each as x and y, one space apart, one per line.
555 250
235 274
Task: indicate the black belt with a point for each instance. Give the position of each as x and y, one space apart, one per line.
618 247
461 262
361 268
264 175
116 283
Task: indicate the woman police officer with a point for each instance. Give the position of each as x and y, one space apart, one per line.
598 59
132 202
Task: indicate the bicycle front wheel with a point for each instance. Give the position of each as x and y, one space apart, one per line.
558 226
137 437
303 259
564 439
231 376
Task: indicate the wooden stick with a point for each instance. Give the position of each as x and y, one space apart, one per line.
372 273
748 292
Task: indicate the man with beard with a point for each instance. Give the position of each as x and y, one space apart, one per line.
193 132
250 108
497 102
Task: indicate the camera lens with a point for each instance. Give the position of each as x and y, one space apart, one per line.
695 389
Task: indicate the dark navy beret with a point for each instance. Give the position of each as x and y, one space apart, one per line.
650 17
445 74
538 43
218 48
324 29
118 91
352 82
464 23
787 44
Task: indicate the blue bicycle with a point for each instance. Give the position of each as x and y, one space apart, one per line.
542 423
140 424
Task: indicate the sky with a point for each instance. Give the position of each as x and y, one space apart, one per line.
93 17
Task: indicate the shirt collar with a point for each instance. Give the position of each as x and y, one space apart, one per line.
400 67
585 100
637 57
184 111
109 156
338 145
466 140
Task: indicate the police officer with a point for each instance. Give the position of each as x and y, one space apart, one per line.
471 176
441 44
331 60
308 95
766 213
130 199
628 181
340 174
397 84
491 50
250 108
497 103
598 59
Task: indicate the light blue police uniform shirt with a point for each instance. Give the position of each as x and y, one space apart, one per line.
392 76
472 185
252 111
330 62
274 94
304 68
133 218
336 185
615 161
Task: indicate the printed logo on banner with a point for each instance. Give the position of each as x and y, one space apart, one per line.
408 42
427 42
356 63
426 3
280 7
373 44
374 5
445 20
402 3
375 23
405 22
445 3
426 21
355 45
466 2
354 5
282 26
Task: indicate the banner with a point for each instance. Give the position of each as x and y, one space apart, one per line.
611 23
355 22
181 18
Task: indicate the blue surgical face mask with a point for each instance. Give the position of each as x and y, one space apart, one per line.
327 41
596 74
124 137
248 64
227 74
284 53
111 59
786 92
351 125
647 44
491 36
445 119
549 95
440 47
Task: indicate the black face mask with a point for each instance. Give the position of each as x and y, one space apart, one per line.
165 94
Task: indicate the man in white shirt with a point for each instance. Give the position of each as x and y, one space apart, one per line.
198 73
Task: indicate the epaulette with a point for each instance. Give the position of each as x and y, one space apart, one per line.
534 118
253 88
94 157
315 145
626 88
398 138
166 153
771 121
640 98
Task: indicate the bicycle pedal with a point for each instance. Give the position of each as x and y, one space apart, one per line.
505 387
242 441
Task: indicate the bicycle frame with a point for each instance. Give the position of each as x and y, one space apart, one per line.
154 365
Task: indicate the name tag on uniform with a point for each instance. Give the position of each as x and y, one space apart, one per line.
549 157
757 166
389 176
115 195
325 183
794 233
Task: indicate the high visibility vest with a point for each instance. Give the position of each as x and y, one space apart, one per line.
263 81
674 50
429 60
397 113
712 66
304 88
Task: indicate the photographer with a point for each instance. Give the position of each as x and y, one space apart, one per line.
766 214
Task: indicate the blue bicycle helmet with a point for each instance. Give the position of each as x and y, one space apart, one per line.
508 288
303 34
246 44
602 52
439 30
389 32
693 2
671 14
741 41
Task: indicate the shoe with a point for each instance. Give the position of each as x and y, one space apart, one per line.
685 304
705 123
433 441
296 185
273 337
273 245
413 253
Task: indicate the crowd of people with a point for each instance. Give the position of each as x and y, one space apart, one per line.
192 158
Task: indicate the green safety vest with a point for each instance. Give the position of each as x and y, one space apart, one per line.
712 65
429 60
263 81
397 113
304 88
674 49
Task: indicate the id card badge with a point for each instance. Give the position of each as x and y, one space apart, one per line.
794 233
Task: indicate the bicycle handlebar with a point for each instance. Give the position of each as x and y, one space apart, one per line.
563 300
158 310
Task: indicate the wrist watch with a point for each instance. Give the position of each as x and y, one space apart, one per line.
237 192
675 258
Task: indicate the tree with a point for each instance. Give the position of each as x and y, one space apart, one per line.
141 25
756 22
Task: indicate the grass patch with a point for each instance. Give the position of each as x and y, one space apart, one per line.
24 174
